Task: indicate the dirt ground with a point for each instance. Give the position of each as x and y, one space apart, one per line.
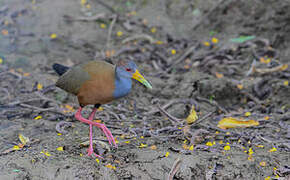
193 53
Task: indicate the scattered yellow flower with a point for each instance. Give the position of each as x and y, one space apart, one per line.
53 36
26 74
153 147
110 166
209 143
228 133
59 134
103 26
286 83
142 145
214 40
153 30
173 51
100 109
98 161
227 147
4 32
81 154
191 148
247 114
250 152
217 132
206 43
263 163
240 86
141 137
60 148
119 33
265 61
45 153
23 139
219 75
221 142
260 146
133 13
39 86
131 125
16 147
88 6
1 60
266 117
38 117
159 42
127 142
167 154
273 149
268 178
83 2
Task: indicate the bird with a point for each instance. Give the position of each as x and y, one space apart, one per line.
96 83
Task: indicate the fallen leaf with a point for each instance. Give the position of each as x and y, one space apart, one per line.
192 116
110 166
24 140
231 122
219 75
214 40
59 148
142 145
242 39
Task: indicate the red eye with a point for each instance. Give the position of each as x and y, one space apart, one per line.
128 69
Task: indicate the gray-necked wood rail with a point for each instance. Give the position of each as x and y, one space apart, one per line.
97 83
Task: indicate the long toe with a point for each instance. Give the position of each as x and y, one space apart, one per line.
91 152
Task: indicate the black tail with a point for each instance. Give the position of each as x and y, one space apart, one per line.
60 69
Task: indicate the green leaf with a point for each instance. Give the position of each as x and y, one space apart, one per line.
242 39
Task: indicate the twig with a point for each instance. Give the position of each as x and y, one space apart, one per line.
139 36
110 31
174 169
91 18
60 126
170 117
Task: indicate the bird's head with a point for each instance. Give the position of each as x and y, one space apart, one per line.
128 69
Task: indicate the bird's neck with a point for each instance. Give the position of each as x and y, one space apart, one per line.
122 86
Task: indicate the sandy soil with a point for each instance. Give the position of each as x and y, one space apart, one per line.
216 78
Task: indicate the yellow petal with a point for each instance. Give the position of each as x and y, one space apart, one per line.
1 60
206 43
153 30
248 114
142 145
192 116
173 51
98 161
110 166
24 140
16 147
153 147
214 40
263 163
191 148
286 83
59 148
119 33
39 86
38 117
273 149
167 154
219 75
53 36
231 122
209 143
227 147
103 26
240 86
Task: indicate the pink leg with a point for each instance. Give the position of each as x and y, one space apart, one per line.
90 149
107 132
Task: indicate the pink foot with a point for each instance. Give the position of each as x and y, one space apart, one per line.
106 131
91 152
